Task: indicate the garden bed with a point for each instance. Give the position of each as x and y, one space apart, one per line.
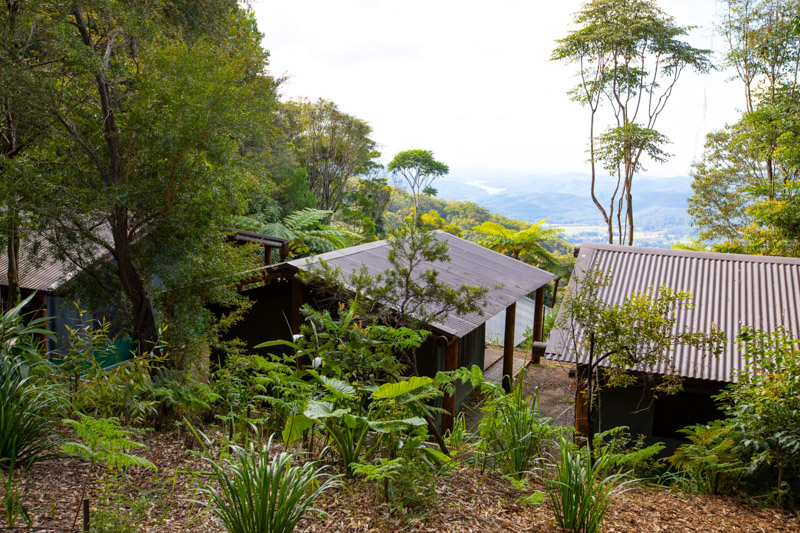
468 500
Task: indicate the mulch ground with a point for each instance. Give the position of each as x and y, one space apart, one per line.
468 501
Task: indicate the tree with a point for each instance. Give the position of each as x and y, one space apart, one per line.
638 333
403 295
629 57
365 206
743 188
332 147
27 61
154 105
763 406
525 245
305 230
418 168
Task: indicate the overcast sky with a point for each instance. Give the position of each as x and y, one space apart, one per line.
472 81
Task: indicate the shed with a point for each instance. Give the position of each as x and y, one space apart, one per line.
458 340
729 291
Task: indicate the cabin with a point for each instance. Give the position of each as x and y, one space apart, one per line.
729 291
457 341
43 272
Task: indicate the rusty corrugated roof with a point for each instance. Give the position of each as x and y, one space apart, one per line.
729 291
507 279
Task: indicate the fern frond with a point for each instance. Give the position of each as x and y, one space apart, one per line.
306 219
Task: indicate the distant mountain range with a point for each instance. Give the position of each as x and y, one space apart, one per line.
659 204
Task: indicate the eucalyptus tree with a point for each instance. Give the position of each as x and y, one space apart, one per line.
630 56
332 147
744 186
154 103
418 168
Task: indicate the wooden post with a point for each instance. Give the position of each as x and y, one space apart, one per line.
41 301
581 404
297 303
508 347
538 324
284 252
86 514
449 400
267 255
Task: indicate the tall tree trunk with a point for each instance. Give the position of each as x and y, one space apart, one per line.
629 213
13 255
609 220
144 324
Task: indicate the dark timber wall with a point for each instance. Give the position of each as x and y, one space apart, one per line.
658 418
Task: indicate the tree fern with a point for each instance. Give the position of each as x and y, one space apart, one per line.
526 245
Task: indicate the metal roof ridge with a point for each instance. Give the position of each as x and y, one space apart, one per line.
720 256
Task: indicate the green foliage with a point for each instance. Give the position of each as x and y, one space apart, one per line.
580 491
394 409
513 431
418 168
26 402
533 499
630 57
639 332
104 441
529 245
123 391
25 410
14 498
147 161
365 207
763 406
627 455
19 331
403 295
332 147
350 347
709 461
259 493
306 230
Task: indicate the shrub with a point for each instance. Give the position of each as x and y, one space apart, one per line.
626 454
580 492
709 460
257 493
24 413
513 430
764 405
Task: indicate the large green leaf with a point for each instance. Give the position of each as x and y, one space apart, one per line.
390 426
394 390
338 387
317 410
295 426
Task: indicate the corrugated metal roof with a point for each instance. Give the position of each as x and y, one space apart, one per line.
507 279
729 291
38 271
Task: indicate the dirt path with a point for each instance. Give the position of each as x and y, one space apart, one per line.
556 390
551 378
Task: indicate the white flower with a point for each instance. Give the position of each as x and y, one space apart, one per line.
317 362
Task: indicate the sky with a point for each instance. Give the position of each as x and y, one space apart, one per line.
473 81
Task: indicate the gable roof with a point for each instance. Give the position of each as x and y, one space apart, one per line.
507 279
39 269
43 269
729 291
